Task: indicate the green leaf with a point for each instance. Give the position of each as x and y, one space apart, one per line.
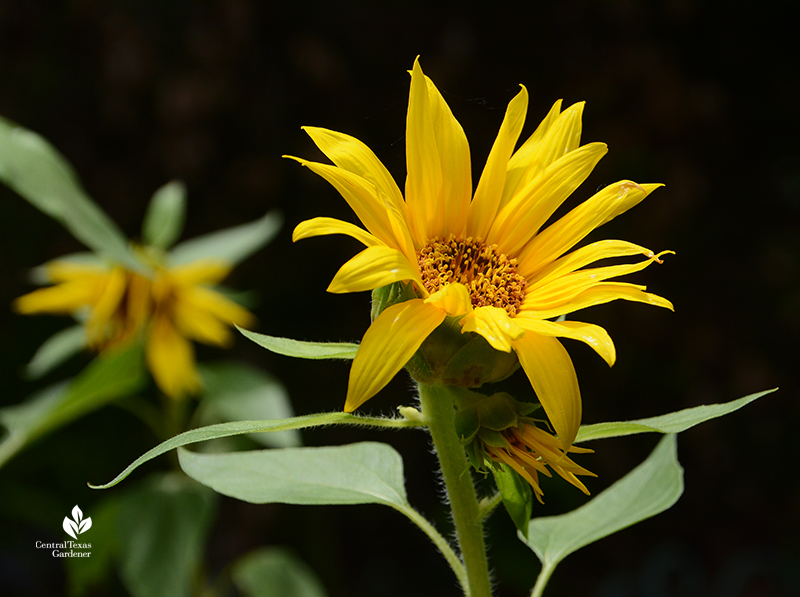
165 216
241 427
362 473
55 350
649 489
303 350
275 572
162 531
235 392
40 174
110 376
230 245
517 496
669 423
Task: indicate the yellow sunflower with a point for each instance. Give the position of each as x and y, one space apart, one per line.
170 308
482 259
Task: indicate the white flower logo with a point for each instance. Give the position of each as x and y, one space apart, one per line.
77 526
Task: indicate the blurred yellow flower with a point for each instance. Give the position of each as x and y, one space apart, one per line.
483 259
170 308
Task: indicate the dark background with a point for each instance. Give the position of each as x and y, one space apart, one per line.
698 95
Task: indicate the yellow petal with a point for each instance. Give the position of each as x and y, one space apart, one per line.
494 324
559 237
364 200
323 226
453 149
107 305
202 271
424 180
388 344
170 358
530 208
215 305
593 335
559 137
552 375
603 293
490 187
453 299
65 298
354 156
372 268
521 168
602 249
65 271
549 293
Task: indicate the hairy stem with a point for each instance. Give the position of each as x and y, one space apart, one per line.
439 414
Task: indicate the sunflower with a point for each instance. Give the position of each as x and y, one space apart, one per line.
169 308
484 260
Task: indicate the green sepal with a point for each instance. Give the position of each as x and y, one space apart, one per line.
467 425
517 496
497 412
492 438
391 294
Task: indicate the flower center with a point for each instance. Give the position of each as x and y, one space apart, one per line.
491 277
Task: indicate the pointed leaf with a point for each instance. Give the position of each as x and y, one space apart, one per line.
669 423
85 525
303 350
362 473
70 527
275 572
110 376
230 245
650 488
77 515
163 222
55 350
40 174
236 392
163 528
242 427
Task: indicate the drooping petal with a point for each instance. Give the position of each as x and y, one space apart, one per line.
323 226
363 198
601 294
552 375
388 344
530 208
372 268
495 325
593 335
453 299
170 358
602 249
490 186
549 293
559 237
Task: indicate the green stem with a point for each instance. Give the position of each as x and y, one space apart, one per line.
541 580
439 413
488 504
